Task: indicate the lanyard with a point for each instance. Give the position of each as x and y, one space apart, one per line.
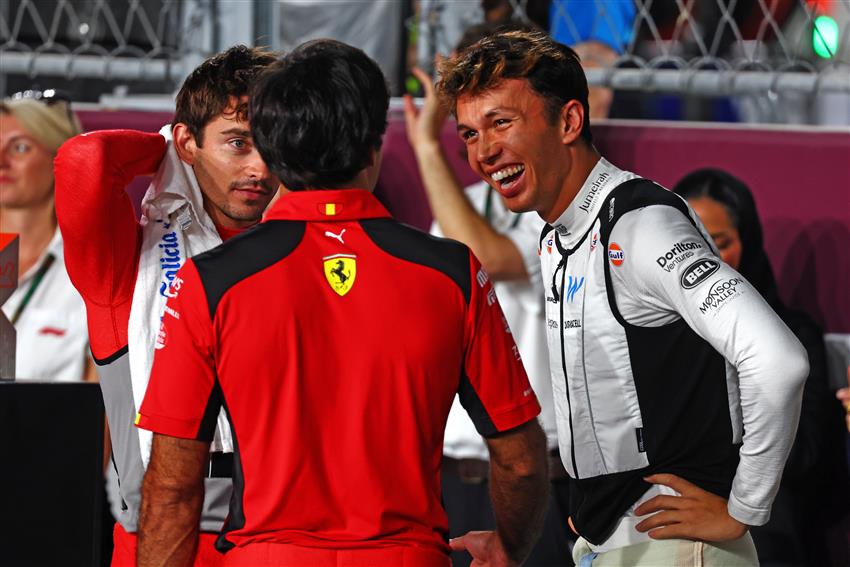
36 280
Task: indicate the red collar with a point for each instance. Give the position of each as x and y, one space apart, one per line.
327 205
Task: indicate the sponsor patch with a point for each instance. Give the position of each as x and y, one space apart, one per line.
572 324
592 191
491 296
161 337
680 252
594 241
573 286
481 277
698 272
172 312
340 271
719 295
616 254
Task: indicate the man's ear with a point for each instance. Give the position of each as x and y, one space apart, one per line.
184 143
572 121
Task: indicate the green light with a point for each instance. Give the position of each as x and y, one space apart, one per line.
825 37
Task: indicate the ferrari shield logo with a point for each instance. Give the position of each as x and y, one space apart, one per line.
340 271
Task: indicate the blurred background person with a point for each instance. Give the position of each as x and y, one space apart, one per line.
815 491
46 310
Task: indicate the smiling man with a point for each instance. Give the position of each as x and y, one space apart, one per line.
210 184
677 388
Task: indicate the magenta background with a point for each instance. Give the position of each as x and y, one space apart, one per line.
800 179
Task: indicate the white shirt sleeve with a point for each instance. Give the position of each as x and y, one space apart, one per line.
670 271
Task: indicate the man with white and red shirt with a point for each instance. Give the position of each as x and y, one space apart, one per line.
210 184
336 339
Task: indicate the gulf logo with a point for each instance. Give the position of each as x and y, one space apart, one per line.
615 254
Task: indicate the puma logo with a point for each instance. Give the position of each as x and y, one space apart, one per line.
337 236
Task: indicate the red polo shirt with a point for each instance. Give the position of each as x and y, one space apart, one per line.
336 339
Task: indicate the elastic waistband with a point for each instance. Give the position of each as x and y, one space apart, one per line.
285 555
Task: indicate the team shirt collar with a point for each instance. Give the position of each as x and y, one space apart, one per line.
582 212
327 205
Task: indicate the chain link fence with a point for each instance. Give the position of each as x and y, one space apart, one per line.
149 43
704 47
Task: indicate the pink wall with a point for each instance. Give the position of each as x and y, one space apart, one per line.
801 182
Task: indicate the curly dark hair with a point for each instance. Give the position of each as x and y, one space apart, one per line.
207 90
318 113
552 69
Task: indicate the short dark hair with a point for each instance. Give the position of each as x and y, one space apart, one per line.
552 69
207 90
317 114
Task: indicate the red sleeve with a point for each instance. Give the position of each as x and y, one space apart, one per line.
182 398
99 228
494 388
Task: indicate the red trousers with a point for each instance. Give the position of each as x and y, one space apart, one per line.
124 554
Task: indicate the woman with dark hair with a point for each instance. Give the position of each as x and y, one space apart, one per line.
814 490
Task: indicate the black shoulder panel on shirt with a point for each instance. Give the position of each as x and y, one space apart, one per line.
473 405
244 255
407 243
635 194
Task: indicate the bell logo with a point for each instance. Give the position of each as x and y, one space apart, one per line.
340 271
698 272
616 255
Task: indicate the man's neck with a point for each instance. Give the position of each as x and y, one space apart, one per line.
36 227
583 159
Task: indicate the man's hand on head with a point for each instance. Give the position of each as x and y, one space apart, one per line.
424 125
696 514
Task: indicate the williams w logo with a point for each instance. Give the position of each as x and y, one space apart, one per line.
573 285
340 271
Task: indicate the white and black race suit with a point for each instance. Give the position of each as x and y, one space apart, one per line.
663 359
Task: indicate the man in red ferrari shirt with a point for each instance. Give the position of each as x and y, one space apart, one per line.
210 184
336 338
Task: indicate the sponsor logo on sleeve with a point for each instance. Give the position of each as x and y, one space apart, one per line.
719 295
161 337
616 254
680 252
698 272
481 277
173 288
491 296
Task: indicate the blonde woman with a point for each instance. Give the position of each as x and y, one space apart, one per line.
46 310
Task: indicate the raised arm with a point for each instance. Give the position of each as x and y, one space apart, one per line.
99 227
455 215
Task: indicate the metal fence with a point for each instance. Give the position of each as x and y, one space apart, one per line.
707 47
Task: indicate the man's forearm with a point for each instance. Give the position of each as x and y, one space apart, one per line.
169 525
519 490
172 499
459 220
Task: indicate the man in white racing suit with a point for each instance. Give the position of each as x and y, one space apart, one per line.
677 388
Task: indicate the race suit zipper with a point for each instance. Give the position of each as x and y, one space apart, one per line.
564 364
